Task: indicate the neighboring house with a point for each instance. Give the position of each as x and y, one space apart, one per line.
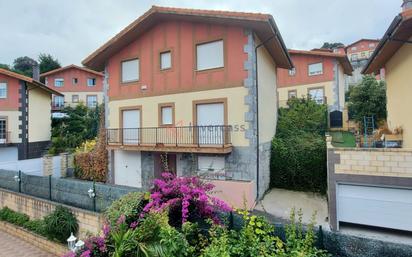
25 116
181 87
394 54
77 84
319 74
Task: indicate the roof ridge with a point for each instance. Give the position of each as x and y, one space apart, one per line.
68 67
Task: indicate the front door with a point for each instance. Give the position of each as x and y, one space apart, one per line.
164 163
131 125
210 121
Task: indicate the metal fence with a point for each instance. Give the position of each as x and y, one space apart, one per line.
78 193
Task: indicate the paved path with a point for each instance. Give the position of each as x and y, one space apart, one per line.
11 246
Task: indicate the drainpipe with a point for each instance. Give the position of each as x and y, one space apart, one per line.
257 113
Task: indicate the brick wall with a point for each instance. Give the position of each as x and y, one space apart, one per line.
36 208
373 161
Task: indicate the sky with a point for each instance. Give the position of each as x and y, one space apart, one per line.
72 29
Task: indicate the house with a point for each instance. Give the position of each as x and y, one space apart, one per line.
77 84
361 50
181 89
394 54
373 186
319 74
25 116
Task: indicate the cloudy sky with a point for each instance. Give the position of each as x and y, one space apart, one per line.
72 29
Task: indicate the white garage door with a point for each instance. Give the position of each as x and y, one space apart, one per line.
131 123
211 116
127 168
375 206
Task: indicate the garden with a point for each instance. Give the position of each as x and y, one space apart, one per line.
181 217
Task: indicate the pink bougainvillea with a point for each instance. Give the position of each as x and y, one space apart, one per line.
189 195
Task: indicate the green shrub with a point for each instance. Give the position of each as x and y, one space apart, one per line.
36 226
13 217
59 224
129 205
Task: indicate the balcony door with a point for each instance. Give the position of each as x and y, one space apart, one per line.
3 131
210 121
131 125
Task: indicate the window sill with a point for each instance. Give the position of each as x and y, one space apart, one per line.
210 69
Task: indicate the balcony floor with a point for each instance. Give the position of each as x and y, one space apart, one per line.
211 149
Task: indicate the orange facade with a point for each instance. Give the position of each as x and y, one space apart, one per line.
181 39
364 45
301 77
11 103
81 75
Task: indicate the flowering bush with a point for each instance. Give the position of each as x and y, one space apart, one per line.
186 197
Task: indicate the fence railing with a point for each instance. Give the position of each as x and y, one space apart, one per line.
5 137
73 192
172 136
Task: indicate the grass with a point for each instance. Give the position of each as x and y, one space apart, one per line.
343 139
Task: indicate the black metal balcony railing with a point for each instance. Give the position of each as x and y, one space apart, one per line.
197 136
4 137
57 106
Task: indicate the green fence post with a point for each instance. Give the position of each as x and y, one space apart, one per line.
94 197
50 187
19 181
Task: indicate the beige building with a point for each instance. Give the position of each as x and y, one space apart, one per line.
394 53
25 116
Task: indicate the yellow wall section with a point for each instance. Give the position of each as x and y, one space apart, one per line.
399 92
82 97
342 82
39 115
184 110
267 96
12 124
302 90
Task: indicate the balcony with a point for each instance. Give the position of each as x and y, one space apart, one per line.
4 138
189 139
57 106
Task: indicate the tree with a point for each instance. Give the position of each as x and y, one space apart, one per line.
24 65
332 45
48 62
368 98
4 66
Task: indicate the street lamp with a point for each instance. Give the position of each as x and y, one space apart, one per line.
79 245
71 242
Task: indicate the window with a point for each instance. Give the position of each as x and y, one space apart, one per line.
354 57
58 82
317 95
130 70
210 55
354 48
91 82
75 98
165 60
292 72
3 90
363 55
3 130
292 94
166 114
91 101
75 81
371 45
58 101
210 163
315 69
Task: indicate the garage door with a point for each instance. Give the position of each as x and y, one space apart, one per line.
210 118
127 168
375 206
131 123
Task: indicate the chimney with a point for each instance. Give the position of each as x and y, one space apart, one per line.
407 5
36 71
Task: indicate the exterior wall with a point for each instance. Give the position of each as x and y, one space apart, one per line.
302 77
184 116
363 50
181 39
302 90
82 97
81 86
399 90
13 124
39 114
11 103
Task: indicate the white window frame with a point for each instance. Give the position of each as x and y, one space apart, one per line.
58 82
94 104
75 81
78 99
354 48
3 134
318 100
165 64
91 79
203 50
292 72
315 73
292 92
3 88
132 78
58 103
166 121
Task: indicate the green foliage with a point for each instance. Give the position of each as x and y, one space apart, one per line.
68 133
368 98
332 45
298 159
60 223
24 65
47 63
129 205
22 220
5 66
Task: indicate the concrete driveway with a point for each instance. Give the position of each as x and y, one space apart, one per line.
11 246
